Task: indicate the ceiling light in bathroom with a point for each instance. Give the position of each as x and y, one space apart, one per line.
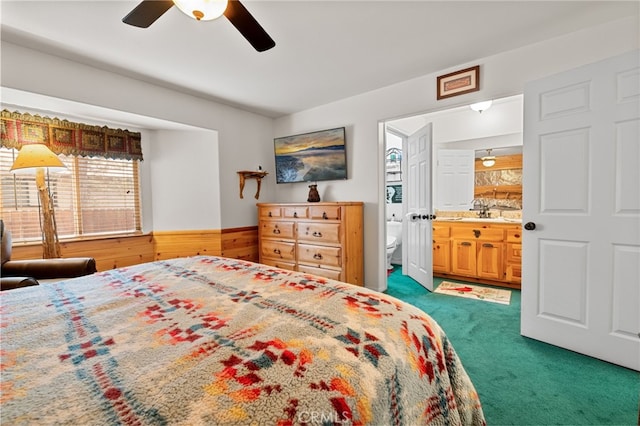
488 160
481 106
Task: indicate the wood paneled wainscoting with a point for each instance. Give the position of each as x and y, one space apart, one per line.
117 252
236 243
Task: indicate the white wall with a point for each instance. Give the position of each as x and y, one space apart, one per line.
501 75
506 144
244 139
185 181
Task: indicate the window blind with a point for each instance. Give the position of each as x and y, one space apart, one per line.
95 196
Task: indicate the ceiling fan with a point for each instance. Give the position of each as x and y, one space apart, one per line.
147 12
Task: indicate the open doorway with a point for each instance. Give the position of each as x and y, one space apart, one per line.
498 129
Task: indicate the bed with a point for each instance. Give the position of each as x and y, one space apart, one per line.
210 340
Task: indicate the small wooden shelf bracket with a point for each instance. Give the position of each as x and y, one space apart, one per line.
251 174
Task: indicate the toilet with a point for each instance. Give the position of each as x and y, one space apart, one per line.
394 241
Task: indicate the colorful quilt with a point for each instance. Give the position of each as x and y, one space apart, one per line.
216 341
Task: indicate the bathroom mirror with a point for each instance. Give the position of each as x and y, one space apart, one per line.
498 178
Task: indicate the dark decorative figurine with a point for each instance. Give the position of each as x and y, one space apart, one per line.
314 196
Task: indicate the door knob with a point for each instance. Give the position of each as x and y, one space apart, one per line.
529 226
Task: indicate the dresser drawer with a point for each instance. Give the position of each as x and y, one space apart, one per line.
324 212
322 272
295 212
277 229
278 250
514 236
514 273
290 266
473 233
514 253
265 212
319 256
440 231
319 232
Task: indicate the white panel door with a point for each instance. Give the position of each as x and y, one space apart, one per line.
455 179
417 229
581 262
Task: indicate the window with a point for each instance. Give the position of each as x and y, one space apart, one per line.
96 196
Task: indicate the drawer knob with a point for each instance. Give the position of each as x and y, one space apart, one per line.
317 234
317 256
465 243
276 251
517 235
270 215
295 214
488 245
476 232
276 230
324 215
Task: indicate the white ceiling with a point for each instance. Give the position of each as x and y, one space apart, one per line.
325 50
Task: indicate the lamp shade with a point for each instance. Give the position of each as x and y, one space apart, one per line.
202 10
33 156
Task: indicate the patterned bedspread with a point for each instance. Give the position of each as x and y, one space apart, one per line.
208 341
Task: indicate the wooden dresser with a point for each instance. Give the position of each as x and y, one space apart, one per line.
324 239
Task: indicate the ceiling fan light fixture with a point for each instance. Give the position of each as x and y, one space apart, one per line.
481 106
202 10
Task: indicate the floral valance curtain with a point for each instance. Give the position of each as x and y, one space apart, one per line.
68 138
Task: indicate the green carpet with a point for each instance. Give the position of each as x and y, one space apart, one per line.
523 381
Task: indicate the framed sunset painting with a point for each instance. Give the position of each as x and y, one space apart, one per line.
311 157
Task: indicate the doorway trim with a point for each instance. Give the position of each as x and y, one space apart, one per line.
382 208
404 137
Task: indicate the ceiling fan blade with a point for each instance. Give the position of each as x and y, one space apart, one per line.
244 22
147 12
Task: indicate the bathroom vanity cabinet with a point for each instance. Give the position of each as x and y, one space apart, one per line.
513 253
441 248
324 239
480 251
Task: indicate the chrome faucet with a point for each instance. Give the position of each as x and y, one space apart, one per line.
481 207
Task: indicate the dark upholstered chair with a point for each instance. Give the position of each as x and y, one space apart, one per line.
24 273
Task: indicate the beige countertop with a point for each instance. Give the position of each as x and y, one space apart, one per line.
479 220
496 216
